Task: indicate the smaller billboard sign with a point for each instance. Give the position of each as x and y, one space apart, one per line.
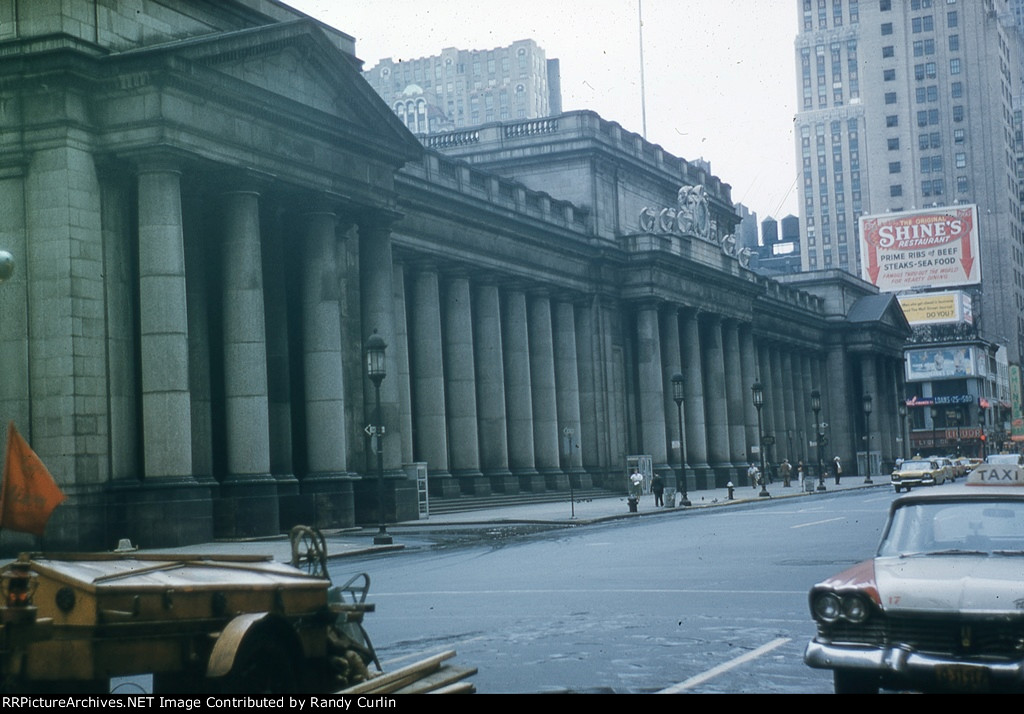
940 363
933 248
937 308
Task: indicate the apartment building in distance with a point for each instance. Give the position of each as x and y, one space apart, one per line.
460 88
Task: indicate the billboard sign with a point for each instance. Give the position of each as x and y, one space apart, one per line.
932 248
940 363
937 308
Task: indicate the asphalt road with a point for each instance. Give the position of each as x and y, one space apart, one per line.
706 601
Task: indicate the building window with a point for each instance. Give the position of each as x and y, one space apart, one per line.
961 184
890 97
885 5
961 160
888 51
954 65
894 167
896 190
954 43
951 19
892 120
958 112
894 144
888 75
958 136
956 90
886 28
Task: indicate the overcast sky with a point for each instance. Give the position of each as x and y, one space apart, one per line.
719 74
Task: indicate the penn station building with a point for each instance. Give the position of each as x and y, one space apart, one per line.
213 217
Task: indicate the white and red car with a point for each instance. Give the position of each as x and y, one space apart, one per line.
941 605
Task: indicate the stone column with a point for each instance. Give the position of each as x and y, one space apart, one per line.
542 381
460 387
170 493
568 392
872 440
248 504
671 361
802 407
377 293
734 398
715 398
490 389
693 410
650 390
787 436
518 390
588 371
765 372
430 418
404 429
748 370
326 482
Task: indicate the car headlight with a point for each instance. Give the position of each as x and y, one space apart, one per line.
855 609
827 607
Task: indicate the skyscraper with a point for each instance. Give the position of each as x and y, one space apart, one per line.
908 104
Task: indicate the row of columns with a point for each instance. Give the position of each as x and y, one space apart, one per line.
719 363
247 496
494 377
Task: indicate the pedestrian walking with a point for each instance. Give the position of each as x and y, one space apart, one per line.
786 470
636 487
837 469
753 474
658 489
800 474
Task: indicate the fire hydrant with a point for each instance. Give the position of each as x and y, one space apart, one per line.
730 487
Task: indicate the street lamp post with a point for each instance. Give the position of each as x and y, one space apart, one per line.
934 411
902 409
867 437
757 391
816 408
981 430
959 419
376 370
677 397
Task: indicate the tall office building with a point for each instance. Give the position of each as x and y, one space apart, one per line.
905 105
459 88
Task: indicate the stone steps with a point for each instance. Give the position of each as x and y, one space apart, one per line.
476 503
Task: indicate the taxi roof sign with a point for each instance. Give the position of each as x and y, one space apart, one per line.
996 475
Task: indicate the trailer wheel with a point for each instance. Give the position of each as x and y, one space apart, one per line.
309 550
256 653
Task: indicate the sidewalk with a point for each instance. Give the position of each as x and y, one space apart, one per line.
359 541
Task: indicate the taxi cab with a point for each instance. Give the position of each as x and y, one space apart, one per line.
918 472
941 605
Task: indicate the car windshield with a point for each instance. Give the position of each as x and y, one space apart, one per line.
986 527
915 466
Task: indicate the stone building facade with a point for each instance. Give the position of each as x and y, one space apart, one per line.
212 212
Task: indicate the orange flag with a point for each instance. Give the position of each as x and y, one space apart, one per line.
28 494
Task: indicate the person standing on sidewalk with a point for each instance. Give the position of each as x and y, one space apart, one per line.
786 471
752 474
837 469
800 474
658 489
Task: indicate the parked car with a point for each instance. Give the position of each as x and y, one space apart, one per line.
941 605
917 472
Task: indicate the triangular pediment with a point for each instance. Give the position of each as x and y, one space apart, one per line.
881 309
292 68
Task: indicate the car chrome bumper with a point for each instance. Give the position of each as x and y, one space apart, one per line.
900 664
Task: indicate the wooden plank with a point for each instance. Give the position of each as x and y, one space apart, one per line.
457 688
416 670
445 676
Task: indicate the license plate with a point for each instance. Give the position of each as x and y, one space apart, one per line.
962 677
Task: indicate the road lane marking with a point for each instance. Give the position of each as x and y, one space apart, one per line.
818 523
725 667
